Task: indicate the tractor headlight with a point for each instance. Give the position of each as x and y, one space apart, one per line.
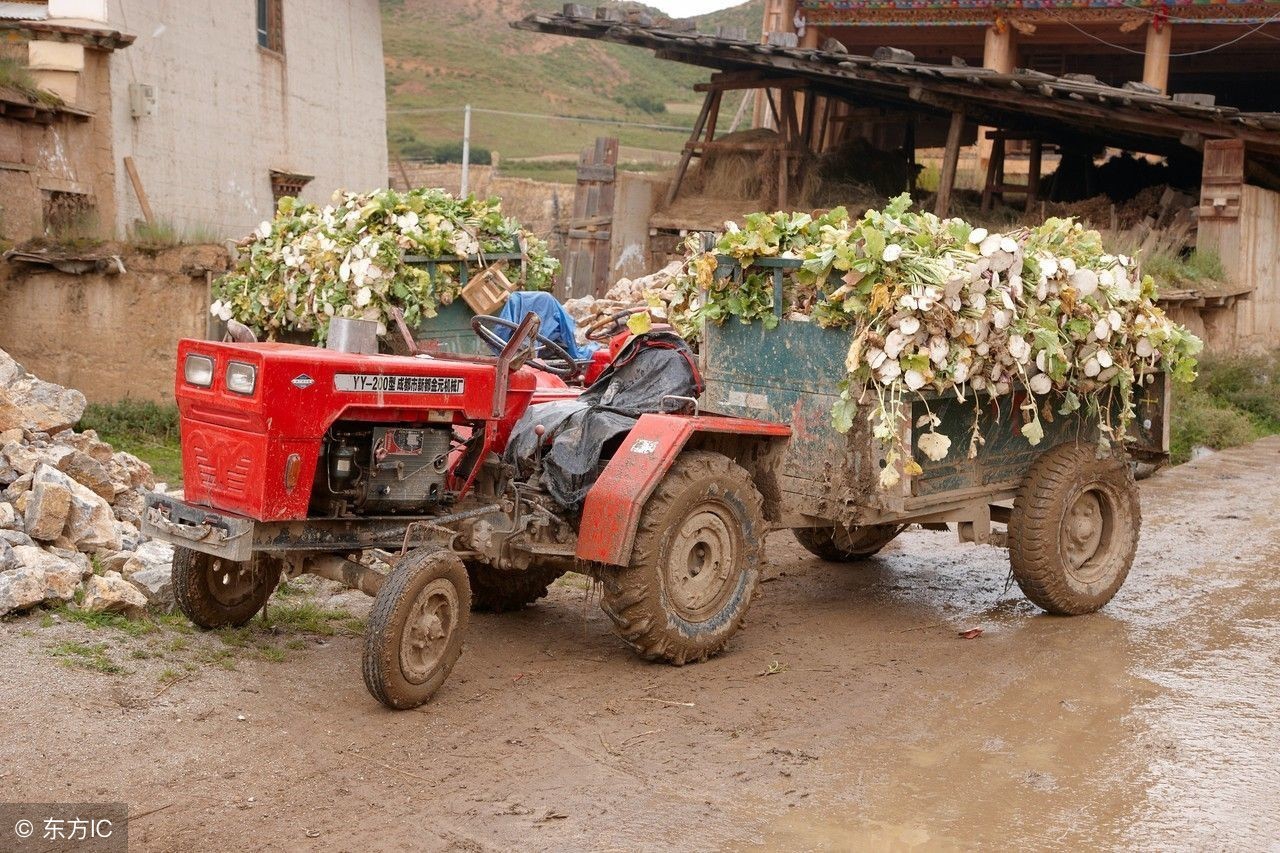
198 370
241 378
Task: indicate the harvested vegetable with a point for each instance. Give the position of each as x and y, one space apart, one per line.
938 306
310 264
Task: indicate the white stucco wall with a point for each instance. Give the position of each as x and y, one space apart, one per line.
228 112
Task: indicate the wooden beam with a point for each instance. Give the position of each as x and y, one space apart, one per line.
729 80
139 191
950 160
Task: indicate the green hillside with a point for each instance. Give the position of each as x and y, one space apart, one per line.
442 54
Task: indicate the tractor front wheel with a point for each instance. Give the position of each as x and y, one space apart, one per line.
216 593
695 565
845 545
414 634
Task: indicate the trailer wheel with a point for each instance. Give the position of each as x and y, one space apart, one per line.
1074 529
695 565
414 634
840 545
497 591
217 593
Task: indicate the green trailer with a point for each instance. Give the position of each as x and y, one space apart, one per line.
1069 518
450 329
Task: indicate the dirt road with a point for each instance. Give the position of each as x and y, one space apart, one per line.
849 714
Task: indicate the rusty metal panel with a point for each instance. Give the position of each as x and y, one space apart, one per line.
790 375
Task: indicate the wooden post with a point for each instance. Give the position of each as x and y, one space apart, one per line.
784 169
995 173
713 114
404 173
950 159
1155 62
812 38
139 191
999 53
779 17
909 152
713 96
1033 173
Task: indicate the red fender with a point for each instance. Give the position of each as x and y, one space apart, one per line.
612 509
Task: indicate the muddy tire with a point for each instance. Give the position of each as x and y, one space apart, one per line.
217 593
414 633
1074 529
497 591
695 565
845 546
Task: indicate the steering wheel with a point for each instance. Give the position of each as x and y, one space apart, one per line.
603 329
561 364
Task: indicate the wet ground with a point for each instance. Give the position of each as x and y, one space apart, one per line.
849 715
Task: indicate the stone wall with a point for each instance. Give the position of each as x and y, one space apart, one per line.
534 203
109 335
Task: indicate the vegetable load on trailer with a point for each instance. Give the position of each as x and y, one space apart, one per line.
1072 513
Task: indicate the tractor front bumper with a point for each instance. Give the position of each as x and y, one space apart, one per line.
234 537
198 528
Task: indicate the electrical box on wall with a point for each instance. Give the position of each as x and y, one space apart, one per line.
142 100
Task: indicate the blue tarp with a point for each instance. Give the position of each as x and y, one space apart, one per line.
557 325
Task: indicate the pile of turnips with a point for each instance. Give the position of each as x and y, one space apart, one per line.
937 306
312 263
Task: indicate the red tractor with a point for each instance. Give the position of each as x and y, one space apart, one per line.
300 459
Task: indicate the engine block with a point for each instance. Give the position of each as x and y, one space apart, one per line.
407 468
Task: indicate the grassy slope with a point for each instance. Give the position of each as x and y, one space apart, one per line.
446 53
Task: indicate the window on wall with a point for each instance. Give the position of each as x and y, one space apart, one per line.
271 25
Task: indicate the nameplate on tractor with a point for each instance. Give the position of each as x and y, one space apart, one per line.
397 384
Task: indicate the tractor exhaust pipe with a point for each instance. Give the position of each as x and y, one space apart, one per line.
367 580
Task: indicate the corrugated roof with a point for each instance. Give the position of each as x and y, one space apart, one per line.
1133 116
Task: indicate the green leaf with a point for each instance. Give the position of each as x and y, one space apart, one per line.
842 413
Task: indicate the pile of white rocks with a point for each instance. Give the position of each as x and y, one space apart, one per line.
625 293
70 508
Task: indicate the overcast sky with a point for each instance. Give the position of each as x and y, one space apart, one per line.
686 8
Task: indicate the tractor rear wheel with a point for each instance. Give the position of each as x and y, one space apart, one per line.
414 634
497 591
695 565
216 593
841 545
1074 529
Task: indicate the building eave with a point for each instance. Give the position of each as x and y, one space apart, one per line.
1071 104
87 34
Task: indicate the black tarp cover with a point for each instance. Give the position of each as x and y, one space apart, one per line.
648 369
